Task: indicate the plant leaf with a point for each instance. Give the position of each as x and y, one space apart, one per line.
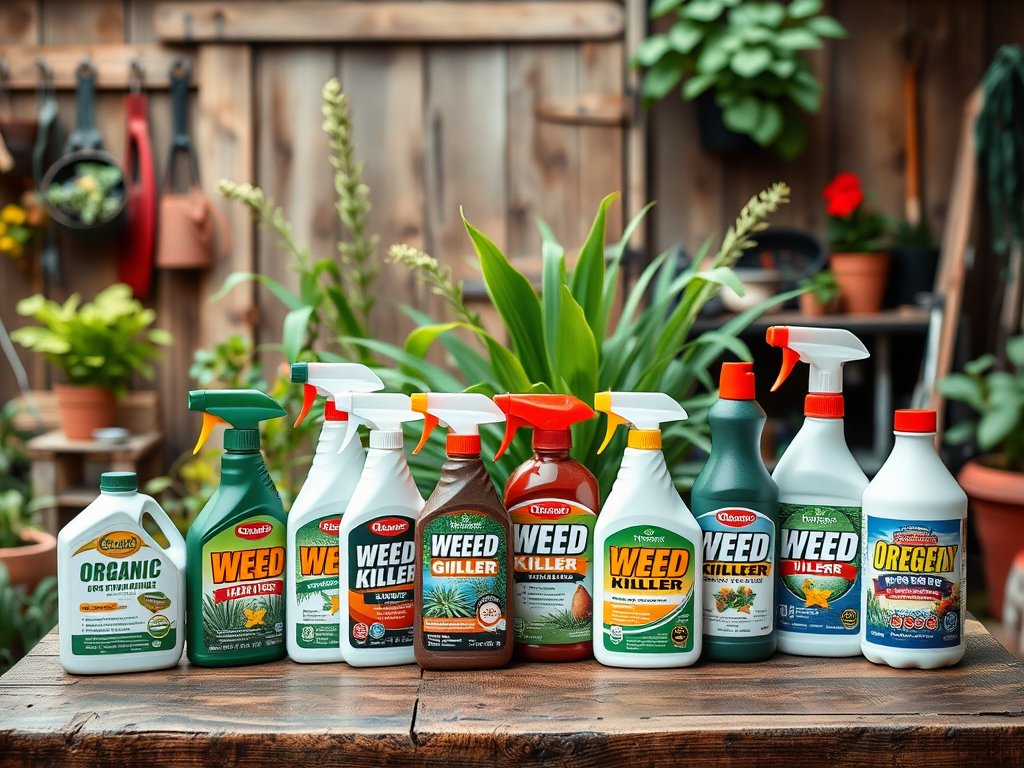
770 126
797 39
750 62
586 283
577 350
743 116
552 279
1015 351
293 335
826 26
801 9
964 388
288 298
703 10
684 36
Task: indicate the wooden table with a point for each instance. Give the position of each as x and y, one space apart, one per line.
789 711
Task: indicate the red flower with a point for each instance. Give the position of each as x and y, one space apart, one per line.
843 195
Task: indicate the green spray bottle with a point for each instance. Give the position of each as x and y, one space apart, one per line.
736 503
236 545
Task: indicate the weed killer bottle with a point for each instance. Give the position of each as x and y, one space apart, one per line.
736 504
463 546
311 573
647 546
915 567
820 489
236 545
121 593
553 501
376 538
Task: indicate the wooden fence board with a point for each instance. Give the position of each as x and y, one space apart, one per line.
602 164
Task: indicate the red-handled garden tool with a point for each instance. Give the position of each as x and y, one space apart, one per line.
135 266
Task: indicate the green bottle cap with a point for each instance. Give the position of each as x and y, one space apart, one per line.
241 440
300 373
119 482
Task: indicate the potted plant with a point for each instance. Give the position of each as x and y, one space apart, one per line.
742 62
87 197
915 259
98 346
994 481
854 235
822 294
28 553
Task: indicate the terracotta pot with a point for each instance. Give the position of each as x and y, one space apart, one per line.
33 562
997 507
809 306
83 409
861 278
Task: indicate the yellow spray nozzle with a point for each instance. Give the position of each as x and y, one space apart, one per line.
418 402
209 422
614 422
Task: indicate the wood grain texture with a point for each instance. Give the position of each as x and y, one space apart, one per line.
110 60
435 21
602 162
788 711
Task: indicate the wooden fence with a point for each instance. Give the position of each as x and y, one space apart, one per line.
442 122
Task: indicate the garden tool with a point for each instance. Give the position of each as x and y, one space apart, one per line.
85 145
913 52
47 136
135 266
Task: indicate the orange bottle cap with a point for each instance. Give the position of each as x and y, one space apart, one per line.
462 445
737 381
824 405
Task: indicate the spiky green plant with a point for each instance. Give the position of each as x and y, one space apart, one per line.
564 620
447 603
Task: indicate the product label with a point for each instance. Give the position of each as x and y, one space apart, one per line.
316 583
554 583
465 582
121 591
914 575
819 569
381 569
648 591
739 572
243 586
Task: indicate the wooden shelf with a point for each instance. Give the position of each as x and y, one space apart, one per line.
902 320
790 711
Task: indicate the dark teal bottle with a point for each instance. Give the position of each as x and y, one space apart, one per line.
736 503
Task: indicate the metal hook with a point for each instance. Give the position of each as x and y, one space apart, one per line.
86 69
136 76
181 68
5 70
44 87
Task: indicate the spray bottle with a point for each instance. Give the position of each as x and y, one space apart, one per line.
820 490
122 594
648 559
311 572
236 545
463 546
553 501
376 541
736 503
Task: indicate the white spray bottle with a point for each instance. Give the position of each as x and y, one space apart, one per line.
311 574
647 547
377 537
820 490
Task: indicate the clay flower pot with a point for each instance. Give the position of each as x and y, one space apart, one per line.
997 506
33 562
83 409
809 306
861 278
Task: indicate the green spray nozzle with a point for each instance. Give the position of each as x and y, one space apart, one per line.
238 408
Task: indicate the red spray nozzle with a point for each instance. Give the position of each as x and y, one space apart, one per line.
778 336
308 398
549 413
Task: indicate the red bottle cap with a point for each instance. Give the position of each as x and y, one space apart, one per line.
462 445
824 405
550 416
737 381
915 420
331 412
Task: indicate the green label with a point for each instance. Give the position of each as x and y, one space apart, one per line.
819 569
129 642
381 574
243 587
121 587
552 569
316 583
465 560
648 591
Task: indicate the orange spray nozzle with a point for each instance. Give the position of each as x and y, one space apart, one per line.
550 413
209 422
778 336
308 398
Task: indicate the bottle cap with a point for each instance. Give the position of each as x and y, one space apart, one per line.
822 405
915 420
119 482
552 440
331 412
462 445
241 440
737 381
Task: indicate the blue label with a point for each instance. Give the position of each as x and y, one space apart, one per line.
819 569
914 579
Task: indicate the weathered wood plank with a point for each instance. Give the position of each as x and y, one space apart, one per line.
111 61
602 164
435 21
224 143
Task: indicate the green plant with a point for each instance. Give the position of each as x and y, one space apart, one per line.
14 467
25 617
907 235
997 396
447 603
852 228
562 340
749 53
93 195
564 620
823 285
14 518
100 344
999 140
